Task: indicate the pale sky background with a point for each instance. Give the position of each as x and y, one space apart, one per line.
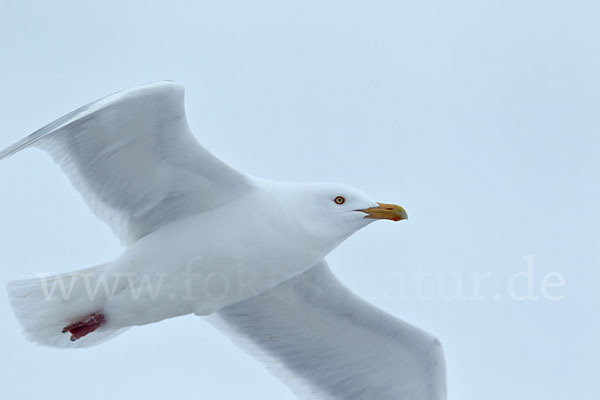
480 117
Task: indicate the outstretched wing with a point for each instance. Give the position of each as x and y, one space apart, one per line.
134 160
327 343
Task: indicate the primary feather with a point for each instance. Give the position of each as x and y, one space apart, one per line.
327 343
134 160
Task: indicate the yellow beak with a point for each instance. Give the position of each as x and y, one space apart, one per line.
386 211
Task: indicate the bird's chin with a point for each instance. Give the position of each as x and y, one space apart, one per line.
360 219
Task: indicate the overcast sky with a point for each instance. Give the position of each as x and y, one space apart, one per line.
481 118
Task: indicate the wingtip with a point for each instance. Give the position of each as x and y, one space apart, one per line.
9 151
175 88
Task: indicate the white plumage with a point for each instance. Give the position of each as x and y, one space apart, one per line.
134 160
204 238
327 343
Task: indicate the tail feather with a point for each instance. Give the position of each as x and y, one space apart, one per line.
45 305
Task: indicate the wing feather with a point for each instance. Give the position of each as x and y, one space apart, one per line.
327 343
134 160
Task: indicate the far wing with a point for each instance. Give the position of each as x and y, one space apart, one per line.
134 160
327 343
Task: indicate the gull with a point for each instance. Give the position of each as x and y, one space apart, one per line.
203 238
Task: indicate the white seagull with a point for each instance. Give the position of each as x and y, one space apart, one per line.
204 238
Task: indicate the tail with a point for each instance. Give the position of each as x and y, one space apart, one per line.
45 305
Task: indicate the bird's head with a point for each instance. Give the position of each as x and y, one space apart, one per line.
330 213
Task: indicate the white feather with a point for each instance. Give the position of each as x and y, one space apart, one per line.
327 343
45 305
134 160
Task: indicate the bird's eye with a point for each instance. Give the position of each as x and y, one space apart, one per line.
339 200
